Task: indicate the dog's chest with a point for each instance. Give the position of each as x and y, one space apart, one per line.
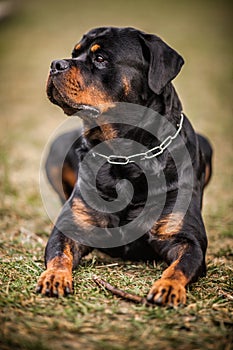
126 183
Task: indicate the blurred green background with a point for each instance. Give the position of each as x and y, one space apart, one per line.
32 34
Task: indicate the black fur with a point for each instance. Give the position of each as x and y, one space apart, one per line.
136 68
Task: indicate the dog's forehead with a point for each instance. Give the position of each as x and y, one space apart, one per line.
110 38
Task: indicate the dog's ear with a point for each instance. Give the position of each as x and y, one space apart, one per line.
164 62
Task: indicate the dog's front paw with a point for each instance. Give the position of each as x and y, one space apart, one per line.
167 292
55 283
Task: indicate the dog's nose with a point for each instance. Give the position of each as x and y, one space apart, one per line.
59 66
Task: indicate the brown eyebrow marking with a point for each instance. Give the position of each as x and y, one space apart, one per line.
95 47
77 47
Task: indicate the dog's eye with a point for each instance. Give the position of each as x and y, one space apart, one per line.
99 59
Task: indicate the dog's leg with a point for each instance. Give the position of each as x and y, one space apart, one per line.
170 288
61 256
64 252
185 255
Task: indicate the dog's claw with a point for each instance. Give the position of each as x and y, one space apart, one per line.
55 293
38 289
150 297
167 292
159 300
55 283
67 291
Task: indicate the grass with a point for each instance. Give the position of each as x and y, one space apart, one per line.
95 319
92 318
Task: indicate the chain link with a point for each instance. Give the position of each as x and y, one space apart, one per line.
123 160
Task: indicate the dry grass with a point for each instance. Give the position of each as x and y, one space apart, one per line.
92 318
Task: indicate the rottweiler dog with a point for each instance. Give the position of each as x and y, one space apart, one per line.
111 67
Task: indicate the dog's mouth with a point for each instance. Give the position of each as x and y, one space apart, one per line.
87 110
70 107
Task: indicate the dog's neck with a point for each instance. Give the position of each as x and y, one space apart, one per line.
167 104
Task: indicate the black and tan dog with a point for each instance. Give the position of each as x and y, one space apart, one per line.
111 65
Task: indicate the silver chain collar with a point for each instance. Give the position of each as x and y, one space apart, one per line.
123 160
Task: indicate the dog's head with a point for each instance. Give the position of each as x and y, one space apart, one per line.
112 65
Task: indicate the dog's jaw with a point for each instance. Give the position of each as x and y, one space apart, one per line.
69 107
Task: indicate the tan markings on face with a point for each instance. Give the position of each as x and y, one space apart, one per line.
126 85
71 87
95 47
168 226
77 47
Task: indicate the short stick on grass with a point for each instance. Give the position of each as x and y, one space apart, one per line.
120 293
